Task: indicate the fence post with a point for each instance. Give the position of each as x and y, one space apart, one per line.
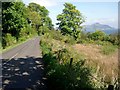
110 87
71 60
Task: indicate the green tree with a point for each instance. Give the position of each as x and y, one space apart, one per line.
70 21
20 22
97 35
43 18
14 22
13 18
36 19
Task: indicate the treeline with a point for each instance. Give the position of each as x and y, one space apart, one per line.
99 37
20 22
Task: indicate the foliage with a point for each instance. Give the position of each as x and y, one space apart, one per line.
23 22
37 8
42 30
115 39
57 57
35 18
12 18
108 49
9 40
41 15
13 22
97 35
70 21
66 78
68 39
52 34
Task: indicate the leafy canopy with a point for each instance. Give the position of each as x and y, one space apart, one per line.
13 18
39 16
70 20
20 22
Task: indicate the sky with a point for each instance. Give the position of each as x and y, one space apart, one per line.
94 11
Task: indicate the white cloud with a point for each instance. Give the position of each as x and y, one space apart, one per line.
95 0
49 3
46 3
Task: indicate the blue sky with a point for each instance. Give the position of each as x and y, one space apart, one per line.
104 12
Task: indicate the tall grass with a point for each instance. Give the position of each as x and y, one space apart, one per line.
65 68
108 49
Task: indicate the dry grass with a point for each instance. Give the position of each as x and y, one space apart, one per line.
107 65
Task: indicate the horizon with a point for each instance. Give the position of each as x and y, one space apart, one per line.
100 24
94 12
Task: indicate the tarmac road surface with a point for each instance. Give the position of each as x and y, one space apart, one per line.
23 68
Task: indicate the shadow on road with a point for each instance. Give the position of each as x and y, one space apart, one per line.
23 74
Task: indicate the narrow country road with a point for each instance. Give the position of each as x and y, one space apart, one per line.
22 67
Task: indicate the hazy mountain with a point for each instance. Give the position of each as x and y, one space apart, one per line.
97 26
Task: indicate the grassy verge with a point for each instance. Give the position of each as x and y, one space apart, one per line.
13 46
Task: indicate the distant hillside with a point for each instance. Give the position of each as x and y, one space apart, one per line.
97 26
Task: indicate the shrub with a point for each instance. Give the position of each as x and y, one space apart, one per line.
82 41
97 35
114 39
42 30
62 76
68 39
45 47
9 40
103 43
56 35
